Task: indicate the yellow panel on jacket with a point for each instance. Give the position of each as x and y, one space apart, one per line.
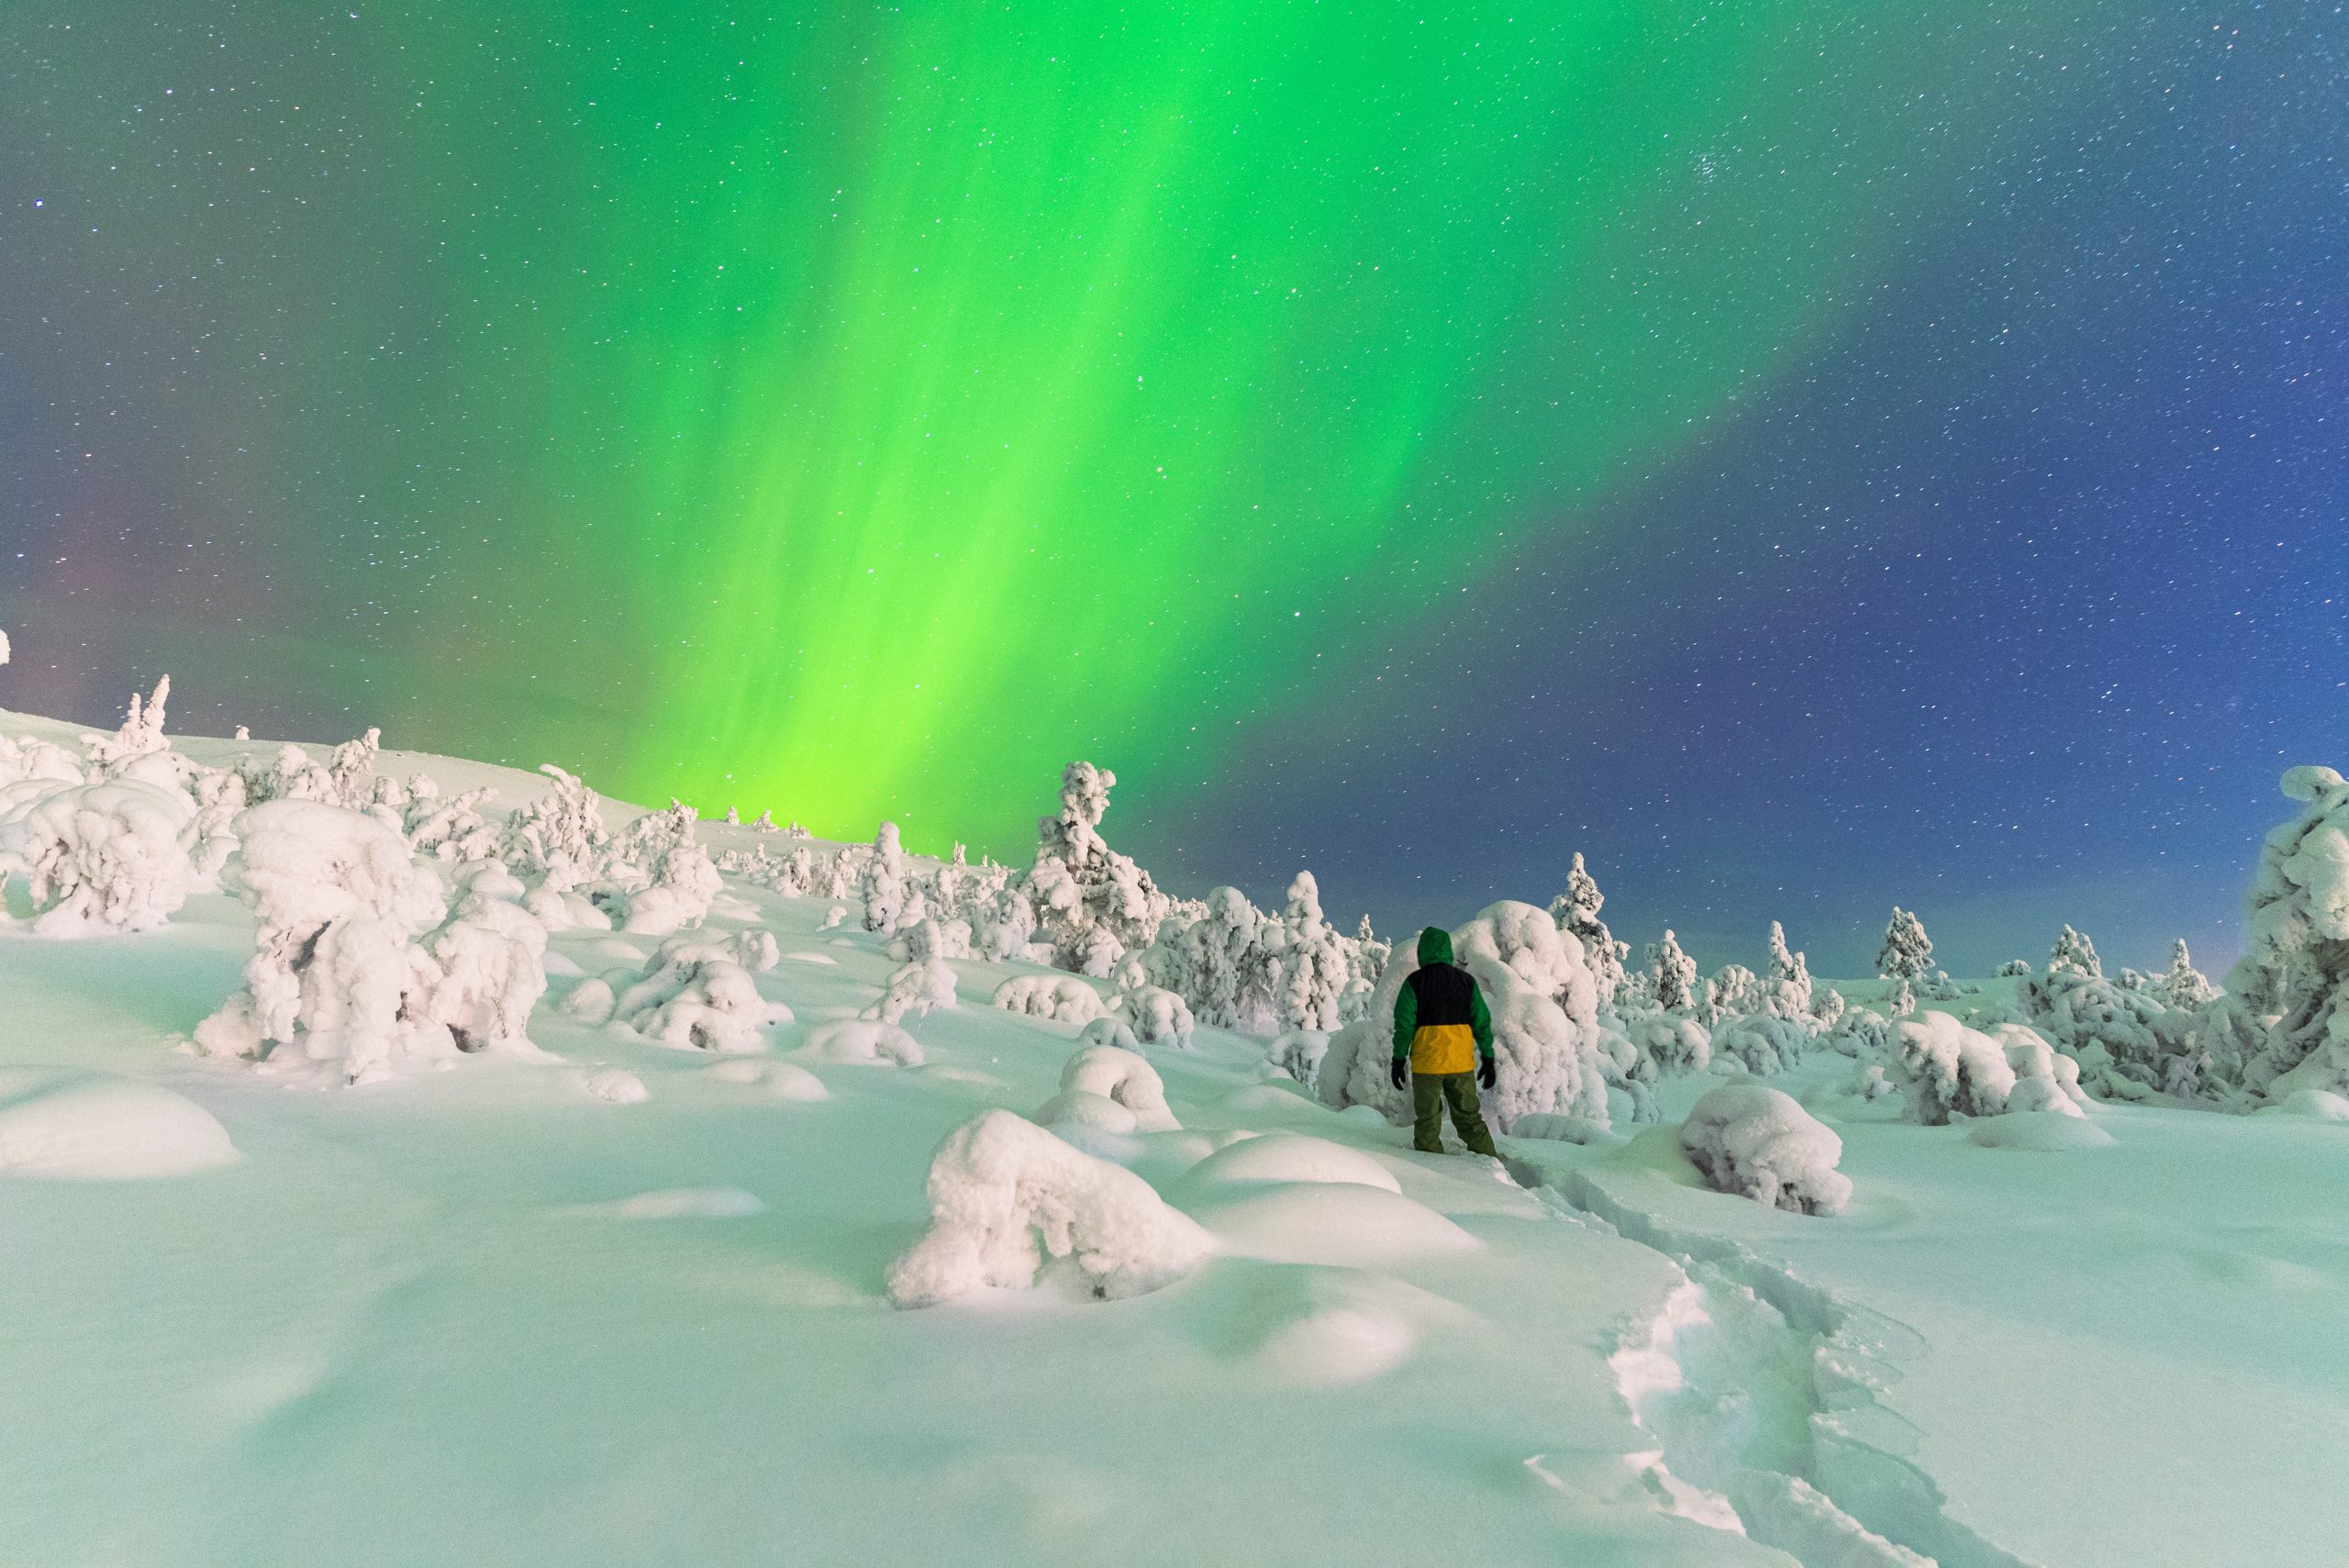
1443 1048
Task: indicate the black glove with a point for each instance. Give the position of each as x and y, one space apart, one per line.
1400 1072
1488 1073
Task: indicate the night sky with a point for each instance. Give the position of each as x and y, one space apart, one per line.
1806 459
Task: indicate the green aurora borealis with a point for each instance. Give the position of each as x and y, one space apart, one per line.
906 401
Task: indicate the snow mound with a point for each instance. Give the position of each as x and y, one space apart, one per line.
867 1041
1124 1077
1289 1157
1555 1129
1345 1224
90 1126
617 1088
1329 1328
1005 1194
1075 1107
2317 1105
2047 1131
1751 1141
1064 998
681 1203
782 1080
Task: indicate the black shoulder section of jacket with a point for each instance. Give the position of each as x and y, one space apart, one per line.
1446 994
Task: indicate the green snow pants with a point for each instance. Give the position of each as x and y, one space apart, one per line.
1430 1092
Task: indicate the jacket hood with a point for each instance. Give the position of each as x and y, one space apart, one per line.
1435 945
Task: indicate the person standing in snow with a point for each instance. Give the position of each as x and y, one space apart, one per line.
1443 1040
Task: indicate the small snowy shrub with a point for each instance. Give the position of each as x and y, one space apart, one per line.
1677 1045
1064 998
1298 1053
1005 1194
142 734
1751 1140
1156 1016
696 995
1765 1046
2183 986
449 828
559 837
922 983
101 858
675 880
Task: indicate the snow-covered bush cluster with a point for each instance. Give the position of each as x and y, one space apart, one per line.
1751 1140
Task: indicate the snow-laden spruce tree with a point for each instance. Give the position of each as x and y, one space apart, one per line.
1316 966
340 905
1788 992
1907 952
1577 911
1674 973
883 886
2182 985
2288 998
2075 954
1204 960
1092 904
100 859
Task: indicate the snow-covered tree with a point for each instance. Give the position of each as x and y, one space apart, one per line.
1788 990
1674 973
884 884
2075 954
140 735
2183 985
1737 990
1092 904
665 881
2014 968
922 983
340 903
2288 998
1907 952
1576 912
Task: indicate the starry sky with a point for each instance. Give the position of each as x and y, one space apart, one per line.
1805 459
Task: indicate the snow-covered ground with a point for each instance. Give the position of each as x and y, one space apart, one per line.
622 1303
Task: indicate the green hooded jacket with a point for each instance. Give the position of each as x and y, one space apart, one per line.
1439 995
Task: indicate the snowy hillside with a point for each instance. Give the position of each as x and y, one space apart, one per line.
543 1180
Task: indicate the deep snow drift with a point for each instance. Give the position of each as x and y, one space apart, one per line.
397 1171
